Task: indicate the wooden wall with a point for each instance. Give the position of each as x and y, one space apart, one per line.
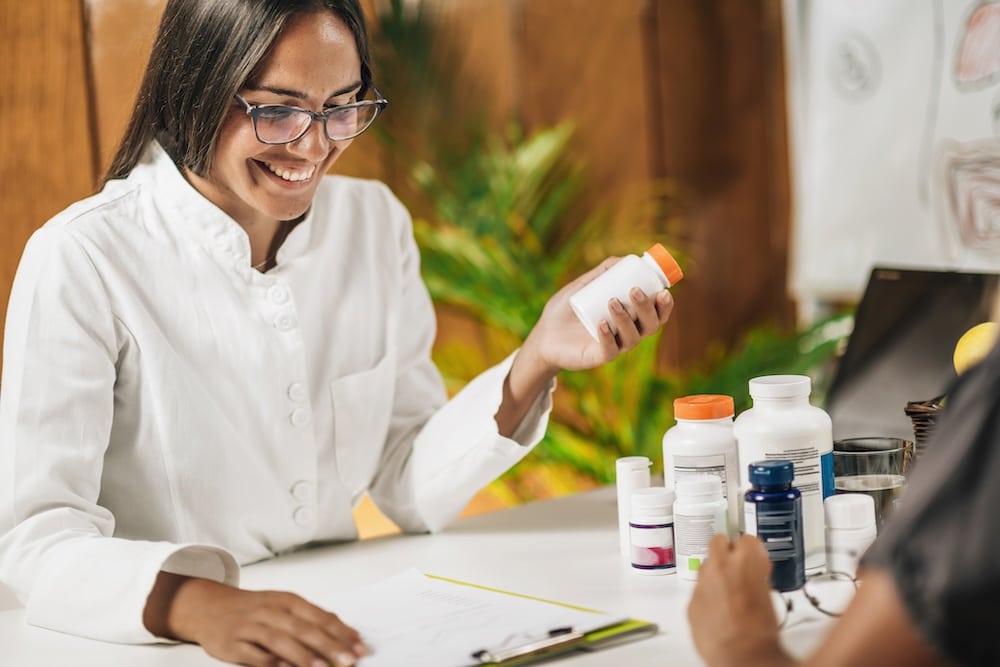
716 90
47 149
683 90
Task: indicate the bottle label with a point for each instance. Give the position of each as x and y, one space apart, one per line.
692 534
652 547
808 473
713 464
778 525
750 518
826 465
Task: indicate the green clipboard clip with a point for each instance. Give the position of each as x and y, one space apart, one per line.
562 641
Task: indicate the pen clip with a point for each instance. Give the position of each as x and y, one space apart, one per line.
555 638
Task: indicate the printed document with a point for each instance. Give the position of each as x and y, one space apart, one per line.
419 621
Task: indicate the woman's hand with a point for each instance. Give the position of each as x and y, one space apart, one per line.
561 341
731 616
256 628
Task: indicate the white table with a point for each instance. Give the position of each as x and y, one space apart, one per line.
564 549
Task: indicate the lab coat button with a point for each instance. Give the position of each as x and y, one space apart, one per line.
297 392
303 515
299 417
285 323
278 294
302 491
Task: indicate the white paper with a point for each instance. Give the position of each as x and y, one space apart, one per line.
414 620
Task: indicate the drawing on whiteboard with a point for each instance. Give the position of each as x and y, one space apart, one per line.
971 169
977 63
895 110
855 67
972 187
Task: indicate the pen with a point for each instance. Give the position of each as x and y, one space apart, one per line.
555 638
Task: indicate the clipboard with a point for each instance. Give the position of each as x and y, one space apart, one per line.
556 642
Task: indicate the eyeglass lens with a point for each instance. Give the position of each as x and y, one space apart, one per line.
277 124
828 593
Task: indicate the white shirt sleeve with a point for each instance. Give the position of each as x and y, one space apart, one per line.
57 551
439 454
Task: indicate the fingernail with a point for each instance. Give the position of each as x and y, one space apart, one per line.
343 660
638 295
360 648
605 327
616 305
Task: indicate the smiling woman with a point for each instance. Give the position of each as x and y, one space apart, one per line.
212 360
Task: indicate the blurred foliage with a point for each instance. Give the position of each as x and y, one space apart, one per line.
500 230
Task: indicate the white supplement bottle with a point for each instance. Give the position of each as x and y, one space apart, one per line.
654 272
783 425
703 441
651 531
631 473
699 514
850 530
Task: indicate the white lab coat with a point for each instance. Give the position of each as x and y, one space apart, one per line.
165 406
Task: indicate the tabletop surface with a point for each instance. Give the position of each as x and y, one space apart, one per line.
564 549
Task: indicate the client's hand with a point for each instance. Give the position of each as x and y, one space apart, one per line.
256 628
732 620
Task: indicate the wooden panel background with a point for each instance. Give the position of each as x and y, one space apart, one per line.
716 88
47 157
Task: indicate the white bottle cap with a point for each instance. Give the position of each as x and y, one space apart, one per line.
780 386
652 498
700 488
627 464
849 511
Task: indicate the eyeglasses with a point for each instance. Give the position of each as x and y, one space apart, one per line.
281 124
829 593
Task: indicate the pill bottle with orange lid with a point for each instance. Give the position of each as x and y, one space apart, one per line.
703 442
654 272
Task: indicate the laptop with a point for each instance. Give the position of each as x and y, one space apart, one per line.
905 329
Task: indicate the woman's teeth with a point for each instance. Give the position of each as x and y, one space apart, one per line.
290 174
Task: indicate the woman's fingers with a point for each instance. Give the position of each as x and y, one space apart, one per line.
628 331
304 635
664 304
646 317
269 629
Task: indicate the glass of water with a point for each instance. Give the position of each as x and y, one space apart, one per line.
877 466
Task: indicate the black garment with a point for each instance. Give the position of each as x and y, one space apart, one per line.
942 546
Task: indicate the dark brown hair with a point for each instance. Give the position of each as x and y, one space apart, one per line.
204 51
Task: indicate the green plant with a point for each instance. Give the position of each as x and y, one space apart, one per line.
500 228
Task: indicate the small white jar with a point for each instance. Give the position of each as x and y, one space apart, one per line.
702 442
699 514
850 530
654 272
651 531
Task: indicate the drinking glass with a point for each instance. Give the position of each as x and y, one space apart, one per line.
877 466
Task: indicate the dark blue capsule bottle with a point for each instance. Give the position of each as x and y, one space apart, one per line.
773 512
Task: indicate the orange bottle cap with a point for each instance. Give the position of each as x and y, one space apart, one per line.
671 269
704 406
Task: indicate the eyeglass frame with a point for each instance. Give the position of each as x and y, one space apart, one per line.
813 599
253 110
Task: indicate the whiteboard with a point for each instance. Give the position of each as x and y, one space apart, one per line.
894 118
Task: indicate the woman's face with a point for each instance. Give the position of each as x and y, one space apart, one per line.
313 64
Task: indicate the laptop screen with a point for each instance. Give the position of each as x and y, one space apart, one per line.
905 329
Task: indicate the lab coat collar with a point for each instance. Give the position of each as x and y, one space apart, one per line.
224 237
